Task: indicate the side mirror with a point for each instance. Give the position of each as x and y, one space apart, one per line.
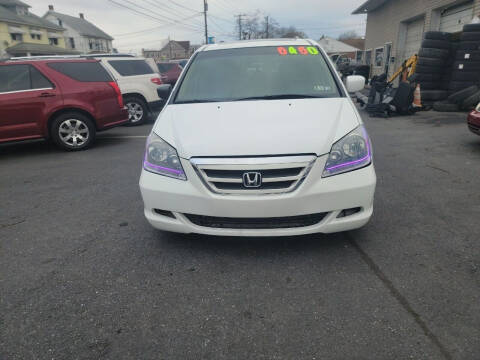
164 91
355 83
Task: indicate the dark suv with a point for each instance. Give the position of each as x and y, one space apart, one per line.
66 101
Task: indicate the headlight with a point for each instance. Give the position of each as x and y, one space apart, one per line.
161 158
351 152
477 109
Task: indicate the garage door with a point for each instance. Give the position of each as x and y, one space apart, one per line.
453 19
414 37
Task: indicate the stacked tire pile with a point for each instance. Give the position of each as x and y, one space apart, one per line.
465 75
433 67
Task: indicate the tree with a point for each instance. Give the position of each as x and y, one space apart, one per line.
351 34
290 32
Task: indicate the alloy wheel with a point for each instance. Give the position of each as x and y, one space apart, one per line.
135 112
73 132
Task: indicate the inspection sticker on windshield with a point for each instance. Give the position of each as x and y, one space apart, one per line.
298 50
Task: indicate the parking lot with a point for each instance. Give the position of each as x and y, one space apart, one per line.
84 276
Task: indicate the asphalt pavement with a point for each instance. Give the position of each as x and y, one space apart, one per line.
84 276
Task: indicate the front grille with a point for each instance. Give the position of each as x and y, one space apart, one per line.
278 174
256 223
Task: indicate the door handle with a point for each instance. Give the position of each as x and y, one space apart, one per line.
46 95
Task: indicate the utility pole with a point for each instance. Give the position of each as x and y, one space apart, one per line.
240 25
267 29
205 9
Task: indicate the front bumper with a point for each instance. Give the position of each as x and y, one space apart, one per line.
316 195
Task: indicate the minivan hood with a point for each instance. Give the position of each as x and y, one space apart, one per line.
256 128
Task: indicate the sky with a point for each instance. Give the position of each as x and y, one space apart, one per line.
148 23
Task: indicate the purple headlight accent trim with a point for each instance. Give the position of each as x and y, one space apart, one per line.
369 155
147 165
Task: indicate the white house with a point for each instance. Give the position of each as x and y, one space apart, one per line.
80 34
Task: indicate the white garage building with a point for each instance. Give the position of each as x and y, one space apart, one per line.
395 27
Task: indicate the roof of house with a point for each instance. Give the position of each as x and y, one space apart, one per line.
41 49
7 15
357 43
332 46
369 6
83 26
184 44
13 3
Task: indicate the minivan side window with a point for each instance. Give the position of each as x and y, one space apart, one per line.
21 78
131 67
38 80
82 71
14 78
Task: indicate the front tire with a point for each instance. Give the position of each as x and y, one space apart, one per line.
73 131
137 110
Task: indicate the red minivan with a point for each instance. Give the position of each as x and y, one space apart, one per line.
66 101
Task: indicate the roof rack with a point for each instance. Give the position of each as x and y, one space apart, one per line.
108 55
45 57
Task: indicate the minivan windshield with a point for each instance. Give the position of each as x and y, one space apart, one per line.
257 73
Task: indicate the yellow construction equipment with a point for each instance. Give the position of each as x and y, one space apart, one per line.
406 70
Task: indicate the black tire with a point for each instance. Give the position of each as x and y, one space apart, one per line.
426 61
471 28
431 85
434 95
470 102
466 55
436 44
437 35
73 131
434 53
423 69
456 86
469 45
460 96
467 65
421 77
470 36
460 75
138 112
445 107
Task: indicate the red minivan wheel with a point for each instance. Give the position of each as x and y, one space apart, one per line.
73 131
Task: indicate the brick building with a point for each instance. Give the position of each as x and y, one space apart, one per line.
395 27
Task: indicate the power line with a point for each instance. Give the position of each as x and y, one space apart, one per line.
171 21
153 28
170 10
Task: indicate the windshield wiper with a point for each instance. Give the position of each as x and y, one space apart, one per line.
281 96
196 101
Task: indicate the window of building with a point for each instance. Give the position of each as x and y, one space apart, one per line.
90 44
379 56
53 41
36 36
368 57
16 37
60 23
359 56
72 43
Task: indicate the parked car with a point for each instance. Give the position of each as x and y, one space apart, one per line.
474 120
66 101
181 62
138 83
169 72
260 139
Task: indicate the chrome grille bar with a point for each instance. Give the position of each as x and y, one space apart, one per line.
279 174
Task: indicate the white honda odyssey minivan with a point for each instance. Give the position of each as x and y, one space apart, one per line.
259 138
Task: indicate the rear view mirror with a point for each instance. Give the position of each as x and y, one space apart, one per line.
164 91
355 83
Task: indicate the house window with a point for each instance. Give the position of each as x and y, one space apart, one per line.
90 44
53 41
17 37
72 43
60 23
379 56
36 36
368 57
359 56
